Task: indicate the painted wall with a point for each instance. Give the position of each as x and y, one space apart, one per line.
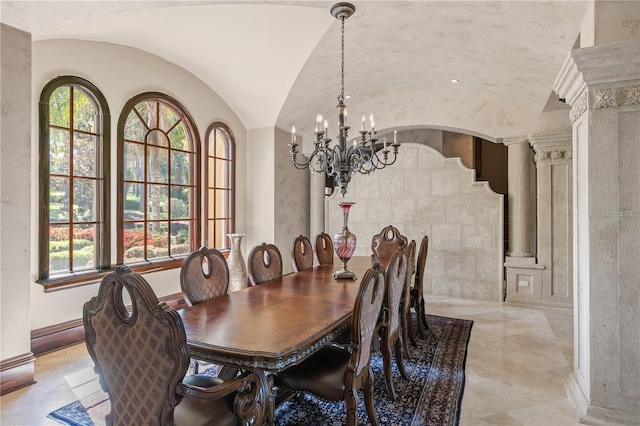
426 193
291 197
120 73
15 182
260 183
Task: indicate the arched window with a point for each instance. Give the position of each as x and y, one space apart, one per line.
220 191
158 181
74 181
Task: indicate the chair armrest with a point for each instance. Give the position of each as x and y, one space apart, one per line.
249 403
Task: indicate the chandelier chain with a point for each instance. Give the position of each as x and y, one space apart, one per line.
365 155
341 97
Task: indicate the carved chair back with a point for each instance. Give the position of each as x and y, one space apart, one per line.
405 306
140 354
417 297
324 249
204 275
395 281
302 254
421 263
264 264
366 312
386 242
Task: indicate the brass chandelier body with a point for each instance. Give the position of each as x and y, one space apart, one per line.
365 155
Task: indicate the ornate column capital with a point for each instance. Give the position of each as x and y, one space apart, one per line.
609 72
515 140
552 146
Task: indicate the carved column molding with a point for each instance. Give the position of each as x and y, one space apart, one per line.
554 177
601 85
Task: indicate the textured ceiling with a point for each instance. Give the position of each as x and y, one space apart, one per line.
278 63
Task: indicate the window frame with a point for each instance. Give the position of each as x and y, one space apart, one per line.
231 146
102 241
168 262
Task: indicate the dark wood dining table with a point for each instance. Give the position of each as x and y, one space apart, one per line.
271 326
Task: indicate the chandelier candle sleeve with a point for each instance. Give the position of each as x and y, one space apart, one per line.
343 159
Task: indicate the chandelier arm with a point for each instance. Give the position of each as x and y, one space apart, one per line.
340 161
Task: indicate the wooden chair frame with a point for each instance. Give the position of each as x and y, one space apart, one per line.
149 336
386 242
198 284
264 263
301 254
417 297
324 249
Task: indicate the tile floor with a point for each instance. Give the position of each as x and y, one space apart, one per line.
516 369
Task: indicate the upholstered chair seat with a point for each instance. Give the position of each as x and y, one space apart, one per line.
201 412
336 373
323 375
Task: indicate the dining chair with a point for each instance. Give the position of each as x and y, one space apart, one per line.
264 263
324 249
417 297
386 242
390 320
140 354
406 321
335 373
204 276
302 254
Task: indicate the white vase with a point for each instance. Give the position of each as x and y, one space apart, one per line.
237 265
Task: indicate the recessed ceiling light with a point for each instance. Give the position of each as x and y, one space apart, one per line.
455 80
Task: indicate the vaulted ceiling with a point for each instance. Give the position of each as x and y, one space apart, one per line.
277 63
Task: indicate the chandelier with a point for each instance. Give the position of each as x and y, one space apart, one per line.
364 155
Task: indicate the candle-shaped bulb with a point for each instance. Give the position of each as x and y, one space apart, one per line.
373 124
395 137
363 120
293 134
326 125
319 118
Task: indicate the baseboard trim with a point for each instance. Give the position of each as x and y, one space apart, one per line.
17 372
59 336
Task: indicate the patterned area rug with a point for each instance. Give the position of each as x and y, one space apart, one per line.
432 396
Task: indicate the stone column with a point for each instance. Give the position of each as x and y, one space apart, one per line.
601 85
519 197
524 278
554 174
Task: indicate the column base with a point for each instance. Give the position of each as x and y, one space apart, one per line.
524 280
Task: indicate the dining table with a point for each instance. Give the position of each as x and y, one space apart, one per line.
276 324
